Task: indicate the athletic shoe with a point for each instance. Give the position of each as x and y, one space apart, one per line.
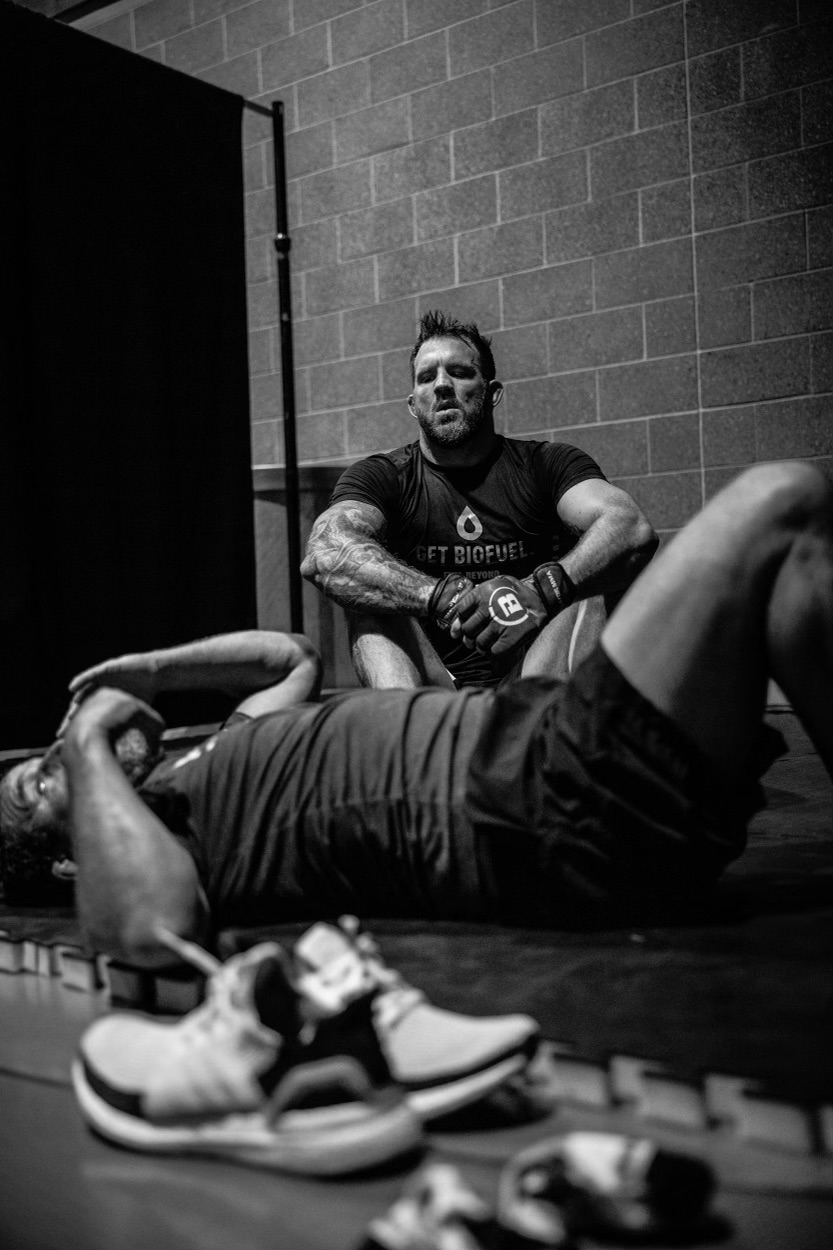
437 1211
601 1185
259 1073
444 1060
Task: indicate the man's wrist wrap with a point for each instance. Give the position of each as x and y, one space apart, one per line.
554 586
445 596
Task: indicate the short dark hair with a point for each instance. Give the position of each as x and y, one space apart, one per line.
28 850
438 325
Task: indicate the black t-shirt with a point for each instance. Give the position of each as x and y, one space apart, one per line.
500 516
345 806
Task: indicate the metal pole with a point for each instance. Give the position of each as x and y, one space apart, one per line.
293 503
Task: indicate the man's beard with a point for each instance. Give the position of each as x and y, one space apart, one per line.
451 433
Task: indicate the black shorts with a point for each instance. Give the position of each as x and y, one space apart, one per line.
589 803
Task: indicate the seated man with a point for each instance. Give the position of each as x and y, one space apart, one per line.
409 531
542 802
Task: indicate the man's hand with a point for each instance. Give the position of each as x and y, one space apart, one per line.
446 595
135 674
131 727
498 615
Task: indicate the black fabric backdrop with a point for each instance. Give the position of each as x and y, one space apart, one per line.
125 479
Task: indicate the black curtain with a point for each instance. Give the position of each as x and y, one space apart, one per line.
125 482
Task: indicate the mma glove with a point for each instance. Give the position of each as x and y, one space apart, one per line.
499 615
449 590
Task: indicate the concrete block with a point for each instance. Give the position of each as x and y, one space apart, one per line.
715 80
240 75
748 253
669 500
472 301
296 57
381 229
262 302
618 447
666 211
661 96
551 403
413 269
317 339
255 25
408 67
415 168
596 339
725 316
314 245
344 383
377 427
462 206
260 212
311 12
348 285
267 446
790 58
260 351
670 327
590 117
720 198
634 46
737 375
196 49
367 30
493 145
648 388
161 20
797 305
792 181
491 38
449 105
656 271
797 427
333 93
538 76
729 436
821 362
639 160
556 291
425 15
746 132
334 191
712 24
674 442
820 237
817 113
515 246
321 436
373 129
396 374
309 150
568 18
543 185
380 327
259 259
521 353
590 229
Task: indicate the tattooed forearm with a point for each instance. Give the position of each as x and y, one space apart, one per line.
346 559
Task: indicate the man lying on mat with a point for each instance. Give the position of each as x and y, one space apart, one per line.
542 803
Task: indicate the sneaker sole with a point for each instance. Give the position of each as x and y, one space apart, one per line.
438 1100
318 1143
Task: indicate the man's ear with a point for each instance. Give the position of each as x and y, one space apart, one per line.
496 392
411 405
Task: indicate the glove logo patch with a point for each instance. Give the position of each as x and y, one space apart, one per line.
506 608
468 526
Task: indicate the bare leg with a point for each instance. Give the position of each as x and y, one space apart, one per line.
392 652
565 641
745 591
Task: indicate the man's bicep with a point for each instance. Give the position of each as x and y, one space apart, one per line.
583 504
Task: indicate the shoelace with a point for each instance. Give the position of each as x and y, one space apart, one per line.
397 997
220 1013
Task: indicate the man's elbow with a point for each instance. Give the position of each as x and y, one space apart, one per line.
645 540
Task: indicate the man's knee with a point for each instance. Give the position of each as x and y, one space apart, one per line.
786 491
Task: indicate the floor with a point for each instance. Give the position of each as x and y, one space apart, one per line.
741 994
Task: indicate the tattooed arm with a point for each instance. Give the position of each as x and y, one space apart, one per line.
347 560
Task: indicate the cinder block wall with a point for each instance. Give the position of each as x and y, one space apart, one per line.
632 196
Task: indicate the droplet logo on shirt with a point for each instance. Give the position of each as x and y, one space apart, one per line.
505 607
468 525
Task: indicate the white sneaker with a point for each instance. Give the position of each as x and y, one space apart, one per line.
260 1073
444 1060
